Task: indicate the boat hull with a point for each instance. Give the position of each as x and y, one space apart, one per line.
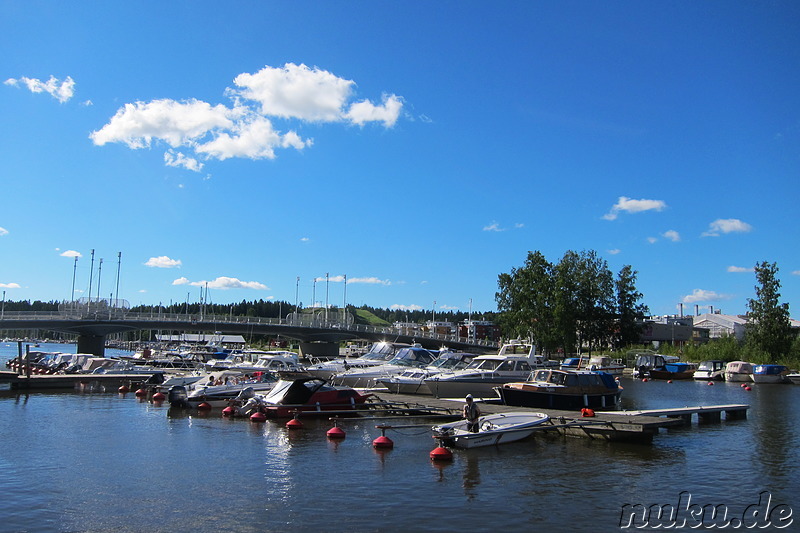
738 377
397 386
459 388
666 374
494 429
555 400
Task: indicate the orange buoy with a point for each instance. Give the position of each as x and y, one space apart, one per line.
123 389
229 411
204 406
440 453
587 412
140 392
258 417
158 397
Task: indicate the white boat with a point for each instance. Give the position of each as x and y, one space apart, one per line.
412 380
409 357
378 354
219 394
514 362
739 371
492 430
794 377
713 370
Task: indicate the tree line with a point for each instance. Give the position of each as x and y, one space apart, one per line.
575 302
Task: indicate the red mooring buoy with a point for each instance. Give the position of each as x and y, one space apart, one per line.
123 389
158 397
711 383
229 411
440 453
294 423
743 385
669 381
204 406
644 379
336 433
140 393
383 442
748 388
258 417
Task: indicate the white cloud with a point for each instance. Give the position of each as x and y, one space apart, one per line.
702 295
177 159
519 225
796 272
366 111
672 235
370 280
10 285
629 205
176 123
163 261
494 226
652 240
304 239
727 225
61 91
245 130
223 283
615 251
401 307
70 253
3 231
448 307
740 269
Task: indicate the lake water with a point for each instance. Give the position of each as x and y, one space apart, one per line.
105 462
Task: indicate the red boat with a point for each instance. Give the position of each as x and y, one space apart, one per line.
310 396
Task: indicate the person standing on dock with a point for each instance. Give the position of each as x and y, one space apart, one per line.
471 412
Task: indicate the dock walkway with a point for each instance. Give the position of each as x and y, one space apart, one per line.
71 381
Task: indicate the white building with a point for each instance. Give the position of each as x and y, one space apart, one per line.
719 325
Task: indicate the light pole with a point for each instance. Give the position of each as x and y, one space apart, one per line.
74 271
119 265
344 301
91 271
433 319
99 271
327 284
3 309
314 294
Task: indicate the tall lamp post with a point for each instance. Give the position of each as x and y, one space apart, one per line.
3 309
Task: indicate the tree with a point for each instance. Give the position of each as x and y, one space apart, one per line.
629 311
769 330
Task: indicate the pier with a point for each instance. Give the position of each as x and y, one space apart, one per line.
72 381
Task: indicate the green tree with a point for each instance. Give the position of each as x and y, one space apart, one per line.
768 330
629 311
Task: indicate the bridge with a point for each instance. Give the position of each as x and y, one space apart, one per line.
317 335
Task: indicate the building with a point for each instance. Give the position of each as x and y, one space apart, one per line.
479 330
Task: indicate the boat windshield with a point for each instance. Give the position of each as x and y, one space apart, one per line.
484 364
380 351
452 363
412 357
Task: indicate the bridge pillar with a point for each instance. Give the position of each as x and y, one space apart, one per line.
93 344
319 349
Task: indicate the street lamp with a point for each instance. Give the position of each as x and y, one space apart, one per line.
3 309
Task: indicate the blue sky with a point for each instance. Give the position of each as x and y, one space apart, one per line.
419 148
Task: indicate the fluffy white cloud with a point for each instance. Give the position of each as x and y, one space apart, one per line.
163 261
246 129
672 235
702 295
740 269
370 281
401 307
726 225
176 123
60 90
223 283
615 251
629 205
70 253
494 226
796 272
652 240
10 285
3 231
365 111
177 159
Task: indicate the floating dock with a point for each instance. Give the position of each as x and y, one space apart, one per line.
635 426
71 381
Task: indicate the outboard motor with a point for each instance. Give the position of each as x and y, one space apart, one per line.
246 394
177 396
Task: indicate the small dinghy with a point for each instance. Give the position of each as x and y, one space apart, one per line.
492 429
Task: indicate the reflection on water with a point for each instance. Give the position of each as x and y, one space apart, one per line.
69 458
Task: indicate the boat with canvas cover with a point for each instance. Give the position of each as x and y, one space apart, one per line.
770 374
310 397
494 429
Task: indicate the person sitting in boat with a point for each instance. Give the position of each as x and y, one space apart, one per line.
472 413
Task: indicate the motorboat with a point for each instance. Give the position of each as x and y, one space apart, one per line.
713 370
514 362
670 371
563 389
794 377
412 380
492 430
410 357
645 362
739 372
602 363
770 374
309 397
570 363
227 385
378 354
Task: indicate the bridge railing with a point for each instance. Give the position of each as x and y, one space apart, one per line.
314 321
